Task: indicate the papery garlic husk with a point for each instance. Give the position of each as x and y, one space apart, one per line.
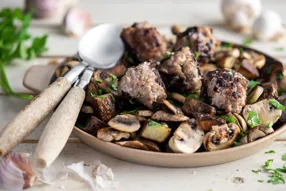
76 22
240 14
268 26
16 172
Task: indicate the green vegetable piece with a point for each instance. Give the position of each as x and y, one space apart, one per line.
279 49
92 94
194 96
267 164
153 123
279 76
256 171
284 157
113 84
228 118
270 152
253 119
247 42
197 55
168 54
226 45
97 80
277 105
252 84
261 181
270 124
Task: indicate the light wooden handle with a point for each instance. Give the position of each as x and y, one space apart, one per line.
31 116
59 128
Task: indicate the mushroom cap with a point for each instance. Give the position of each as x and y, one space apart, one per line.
124 123
267 25
266 112
187 138
221 137
108 134
165 116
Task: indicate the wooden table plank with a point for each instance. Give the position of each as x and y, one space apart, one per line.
141 178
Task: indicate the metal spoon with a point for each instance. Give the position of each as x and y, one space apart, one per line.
100 48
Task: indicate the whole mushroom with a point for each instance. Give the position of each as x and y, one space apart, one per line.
240 14
268 26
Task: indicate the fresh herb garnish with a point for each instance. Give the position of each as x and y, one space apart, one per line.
131 101
247 42
276 177
130 112
92 94
277 105
97 80
194 96
261 181
279 76
197 55
112 82
267 164
100 92
270 124
236 144
226 45
283 169
168 54
269 152
253 119
280 92
241 134
153 123
284 157
279 49
100 96
252 84
17 43
256 171
228 118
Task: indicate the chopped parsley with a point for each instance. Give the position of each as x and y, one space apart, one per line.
279 76
226 45
270 152
247 42
168 54
197 55
252 84
284 157
228 118
112 82
256 171
92 94
276 177
194 96
253 119
97 80
100 96
153 123
131 101
277 105
235 144
81 126
261 181
100 92
279 49
267 164
270 124
130 112
280 92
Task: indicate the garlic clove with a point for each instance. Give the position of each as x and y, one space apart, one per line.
16 172
268 26
76 22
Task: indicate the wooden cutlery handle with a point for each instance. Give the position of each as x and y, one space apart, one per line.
59 128
32 115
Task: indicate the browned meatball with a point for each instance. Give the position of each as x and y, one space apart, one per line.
200 39
145 42
144 83
183 65
226 89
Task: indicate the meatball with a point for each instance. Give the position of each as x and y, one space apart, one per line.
144 83
226 89
200 39
183 69
144 42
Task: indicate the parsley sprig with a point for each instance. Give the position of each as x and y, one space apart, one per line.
17 43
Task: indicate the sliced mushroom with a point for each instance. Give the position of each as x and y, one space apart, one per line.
248 70
150 145
174 109
86 109
165 116
270 90
139 118
207 68
93 125
133 144
241 121
144 113
259 59
265 111
124 123
227 62
206 121
255 95
178 97
187 138
105 81
221 137
108 134
155 131
195 106
256 133
104 105
91 91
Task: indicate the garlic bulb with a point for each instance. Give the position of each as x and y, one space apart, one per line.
268 26
16 172
240 14
76 22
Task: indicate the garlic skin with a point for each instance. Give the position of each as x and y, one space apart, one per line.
16 172
240 14
76 22
268 26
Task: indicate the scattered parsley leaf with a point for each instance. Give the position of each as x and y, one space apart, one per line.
228 118
197 55
100 96
241 134
278 49
253 119
261 181
269 152
168 54
113 83
256 171
280 92
153 123
236 144
100 92
247 42
92 94
277 105
131 101
270 124
194 96
252 84
276 177
130 112
284 157
267 164
280 76
97 80
226 45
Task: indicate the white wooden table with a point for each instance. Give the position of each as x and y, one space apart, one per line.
161 13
